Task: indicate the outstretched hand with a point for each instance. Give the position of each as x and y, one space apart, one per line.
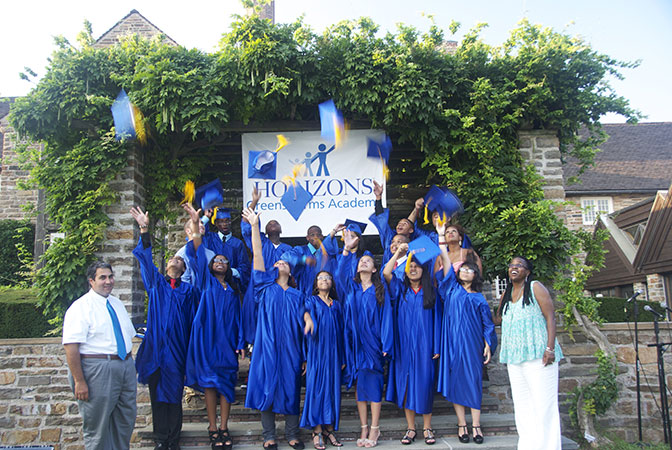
440 228
193 214
377 190
420 203
256 195
141 218
251 217
351 239
402 249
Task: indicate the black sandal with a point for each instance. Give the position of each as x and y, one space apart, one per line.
330 437
478 439
319 445
226 439
408 439
429 438
215 440
464 438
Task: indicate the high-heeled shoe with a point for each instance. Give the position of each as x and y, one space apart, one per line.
429 436
370 443
319 444
478 438
464 438
361 442
408 439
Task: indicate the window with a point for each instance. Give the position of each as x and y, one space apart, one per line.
635 233
500 286
593 207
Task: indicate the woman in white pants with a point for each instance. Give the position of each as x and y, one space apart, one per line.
531 352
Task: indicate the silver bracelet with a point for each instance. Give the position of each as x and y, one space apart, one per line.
550 350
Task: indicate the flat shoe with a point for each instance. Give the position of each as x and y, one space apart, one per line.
298 445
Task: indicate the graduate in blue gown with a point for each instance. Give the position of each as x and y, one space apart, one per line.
216 335
390 238
369 334
223 242
467 342
325 362
306 260
417 333
272 249
278 359
162 355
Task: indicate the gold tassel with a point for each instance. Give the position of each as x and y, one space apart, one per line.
214 215
189 192
139 125
426 215
282 141
408 262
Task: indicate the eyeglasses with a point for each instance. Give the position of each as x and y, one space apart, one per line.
324 278
467 269
517 266
221 260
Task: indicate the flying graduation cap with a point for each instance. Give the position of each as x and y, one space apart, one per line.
380 150
263 164
353 225
442 200
331 122
210 195
423 249
296 198
128 119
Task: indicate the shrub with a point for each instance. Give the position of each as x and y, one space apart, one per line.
613 309
13 232
20 317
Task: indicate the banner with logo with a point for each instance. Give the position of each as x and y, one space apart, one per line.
340 180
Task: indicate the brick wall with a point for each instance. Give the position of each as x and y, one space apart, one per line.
542 148
655 288
11 197
574 214
36 404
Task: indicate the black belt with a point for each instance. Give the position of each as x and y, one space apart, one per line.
103 356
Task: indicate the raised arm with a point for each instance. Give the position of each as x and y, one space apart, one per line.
195 233
256 195
351 240
388 271
419 204
445 258
257 256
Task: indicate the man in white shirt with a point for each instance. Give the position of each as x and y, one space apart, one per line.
97 336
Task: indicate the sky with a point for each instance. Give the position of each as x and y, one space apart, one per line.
626 30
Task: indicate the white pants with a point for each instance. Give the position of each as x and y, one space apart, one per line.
534 388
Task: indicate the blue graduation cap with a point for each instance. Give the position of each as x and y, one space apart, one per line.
210 195
425 249
222 213
262 164
331 122
443 201
353 225
296 199
379 149
122 113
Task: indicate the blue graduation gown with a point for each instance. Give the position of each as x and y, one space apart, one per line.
385 232
325 356
169 316
305 274
417 340
216 333
466 325
234 250
271 255
368 328
274 380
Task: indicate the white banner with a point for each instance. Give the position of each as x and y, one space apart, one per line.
340 180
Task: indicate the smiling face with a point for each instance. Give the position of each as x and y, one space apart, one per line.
518 270
414 271
177 263
324 281
366 264
453 234
283 267
314 236
103 282
397 241
405 227
220 264
466 274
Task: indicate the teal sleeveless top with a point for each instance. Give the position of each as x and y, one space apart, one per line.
524 334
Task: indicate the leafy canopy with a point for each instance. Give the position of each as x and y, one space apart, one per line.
462 108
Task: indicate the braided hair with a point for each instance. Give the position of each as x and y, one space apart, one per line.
527 288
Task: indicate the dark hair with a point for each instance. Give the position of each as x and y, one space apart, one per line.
291 281
527 289
93 268
407 220
460 229
377 283
428 293
228 275
477 282
314 227
332 291
361 247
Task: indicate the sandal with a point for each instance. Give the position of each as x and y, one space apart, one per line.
330 437
215 440
273 446
429 436
464 438
361 442
407 439
370 443
319 445
478 438
225 439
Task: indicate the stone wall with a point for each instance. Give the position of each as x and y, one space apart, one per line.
37 406
11 197
574 214
542 148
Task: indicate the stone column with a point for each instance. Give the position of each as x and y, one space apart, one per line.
122 235
655 288
542 148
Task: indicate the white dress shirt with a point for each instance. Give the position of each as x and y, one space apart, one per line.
88 323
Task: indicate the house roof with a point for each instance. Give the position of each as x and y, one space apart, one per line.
131 23
4 107
636 158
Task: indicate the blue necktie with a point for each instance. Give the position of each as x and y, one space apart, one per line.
121 345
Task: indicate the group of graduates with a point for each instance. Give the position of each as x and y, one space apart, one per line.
324 310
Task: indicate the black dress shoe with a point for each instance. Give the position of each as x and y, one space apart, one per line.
464 438
478 438
173 446
270 447
161 446
298 445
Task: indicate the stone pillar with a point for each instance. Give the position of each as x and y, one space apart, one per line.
12 197
542 148
122 235
655 288
637 286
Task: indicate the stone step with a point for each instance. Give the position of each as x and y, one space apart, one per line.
503 442
392 429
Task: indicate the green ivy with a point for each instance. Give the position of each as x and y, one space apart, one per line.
600 394
462 109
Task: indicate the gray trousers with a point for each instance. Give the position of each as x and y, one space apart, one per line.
268 426
109 415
